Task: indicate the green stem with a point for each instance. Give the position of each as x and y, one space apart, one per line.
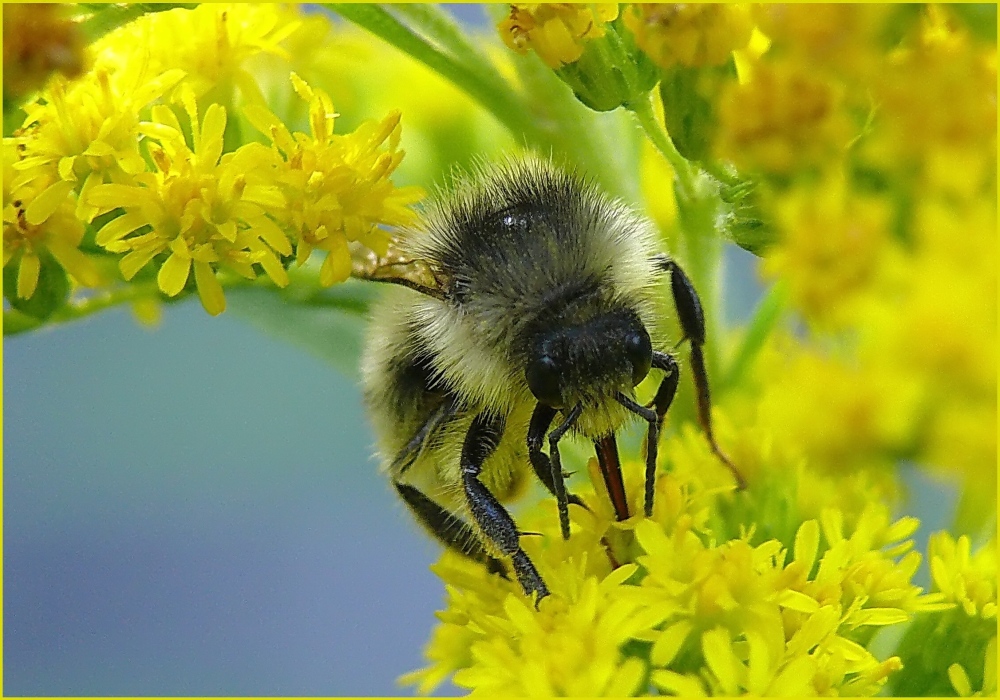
496 96
765 318
304 290
643 111
15 322
698 204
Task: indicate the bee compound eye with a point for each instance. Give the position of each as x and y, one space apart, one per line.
543 380
639 351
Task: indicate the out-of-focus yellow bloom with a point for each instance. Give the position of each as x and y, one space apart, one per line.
839 413
195 206
836 39
832 248
335 187
962 577
556 31
784 118
37 41
960 678
211 43
689 34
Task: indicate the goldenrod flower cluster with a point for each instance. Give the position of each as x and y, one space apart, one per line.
852 148
844 138
149 150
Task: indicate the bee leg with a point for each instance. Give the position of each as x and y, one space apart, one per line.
653 419
492 518
555 468
541 419
449 529
413 449
668 386
692 319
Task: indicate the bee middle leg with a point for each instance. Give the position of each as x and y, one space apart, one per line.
652 439
492 518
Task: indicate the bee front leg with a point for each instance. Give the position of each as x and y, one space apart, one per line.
541 419
492 518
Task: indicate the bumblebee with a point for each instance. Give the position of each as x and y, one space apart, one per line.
527 307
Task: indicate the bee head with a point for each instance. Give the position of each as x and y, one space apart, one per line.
589 360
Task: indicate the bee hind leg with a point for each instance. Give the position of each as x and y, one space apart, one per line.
415 447
692 319
493 520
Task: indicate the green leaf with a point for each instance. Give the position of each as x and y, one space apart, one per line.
765 318
688 107
497 96
438 27
98 19
330 326
51 293
979 18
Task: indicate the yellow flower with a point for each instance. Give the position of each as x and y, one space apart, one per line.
37 41
38 220
689 34
336 187
197 207
695 611
85 132
556 31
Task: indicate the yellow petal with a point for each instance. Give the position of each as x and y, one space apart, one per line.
137 259
759 664
719 656
795 680
174 274
797 601
337 266
209 290
806 544
85 211
272 235
27 275
75 263
678 684
880 616
272 266
120 227
47 201
820 625
213 127
669 643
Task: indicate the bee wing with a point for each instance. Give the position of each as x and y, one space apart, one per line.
396 268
